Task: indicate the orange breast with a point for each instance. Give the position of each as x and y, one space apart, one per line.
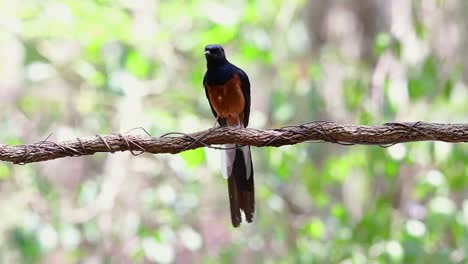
228 100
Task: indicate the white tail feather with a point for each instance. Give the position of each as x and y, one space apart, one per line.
247 160
227 159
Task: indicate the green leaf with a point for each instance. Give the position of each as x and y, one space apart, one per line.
26 242
283 171
28 104
137 64
4 171
391 168
420 29
138 255
13 141
339 212
416 88
253 53
316 71
448 87
353 93
425 81
219 35
382 43
193 158
315 229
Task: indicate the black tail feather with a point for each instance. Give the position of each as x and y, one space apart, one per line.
241 190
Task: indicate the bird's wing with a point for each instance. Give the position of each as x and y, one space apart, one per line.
221 121
245 86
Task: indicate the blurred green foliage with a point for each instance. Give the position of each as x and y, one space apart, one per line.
77 68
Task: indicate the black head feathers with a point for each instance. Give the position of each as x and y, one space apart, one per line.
215 54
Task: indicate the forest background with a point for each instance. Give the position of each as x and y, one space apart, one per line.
80 68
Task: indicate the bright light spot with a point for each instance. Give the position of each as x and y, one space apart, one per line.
398 93
59 11
191 239
148 196
166 194
397 152
465 212
261 39
359 258
459 95
442 150
190 122
167 234
85 70
10 23
457 256
276 203
186 202
284 112
38 71
414 49
303 87
297 37
131 223
415 228
48 237
70 237
222 14
435 178
442 205
117 79
394 249
157 252
258 119
400 27
377 249
31 222
88 193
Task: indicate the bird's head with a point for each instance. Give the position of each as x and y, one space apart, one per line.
214 54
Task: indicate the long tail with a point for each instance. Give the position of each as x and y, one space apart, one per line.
239 169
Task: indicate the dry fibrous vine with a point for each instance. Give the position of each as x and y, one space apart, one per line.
318 131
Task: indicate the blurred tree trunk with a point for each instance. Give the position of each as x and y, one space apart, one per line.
370 17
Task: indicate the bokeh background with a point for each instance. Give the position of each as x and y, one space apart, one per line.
78 68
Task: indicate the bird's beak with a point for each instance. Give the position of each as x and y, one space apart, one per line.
206 52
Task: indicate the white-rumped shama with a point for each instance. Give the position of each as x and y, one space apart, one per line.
227 88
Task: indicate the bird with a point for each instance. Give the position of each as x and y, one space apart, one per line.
227 88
